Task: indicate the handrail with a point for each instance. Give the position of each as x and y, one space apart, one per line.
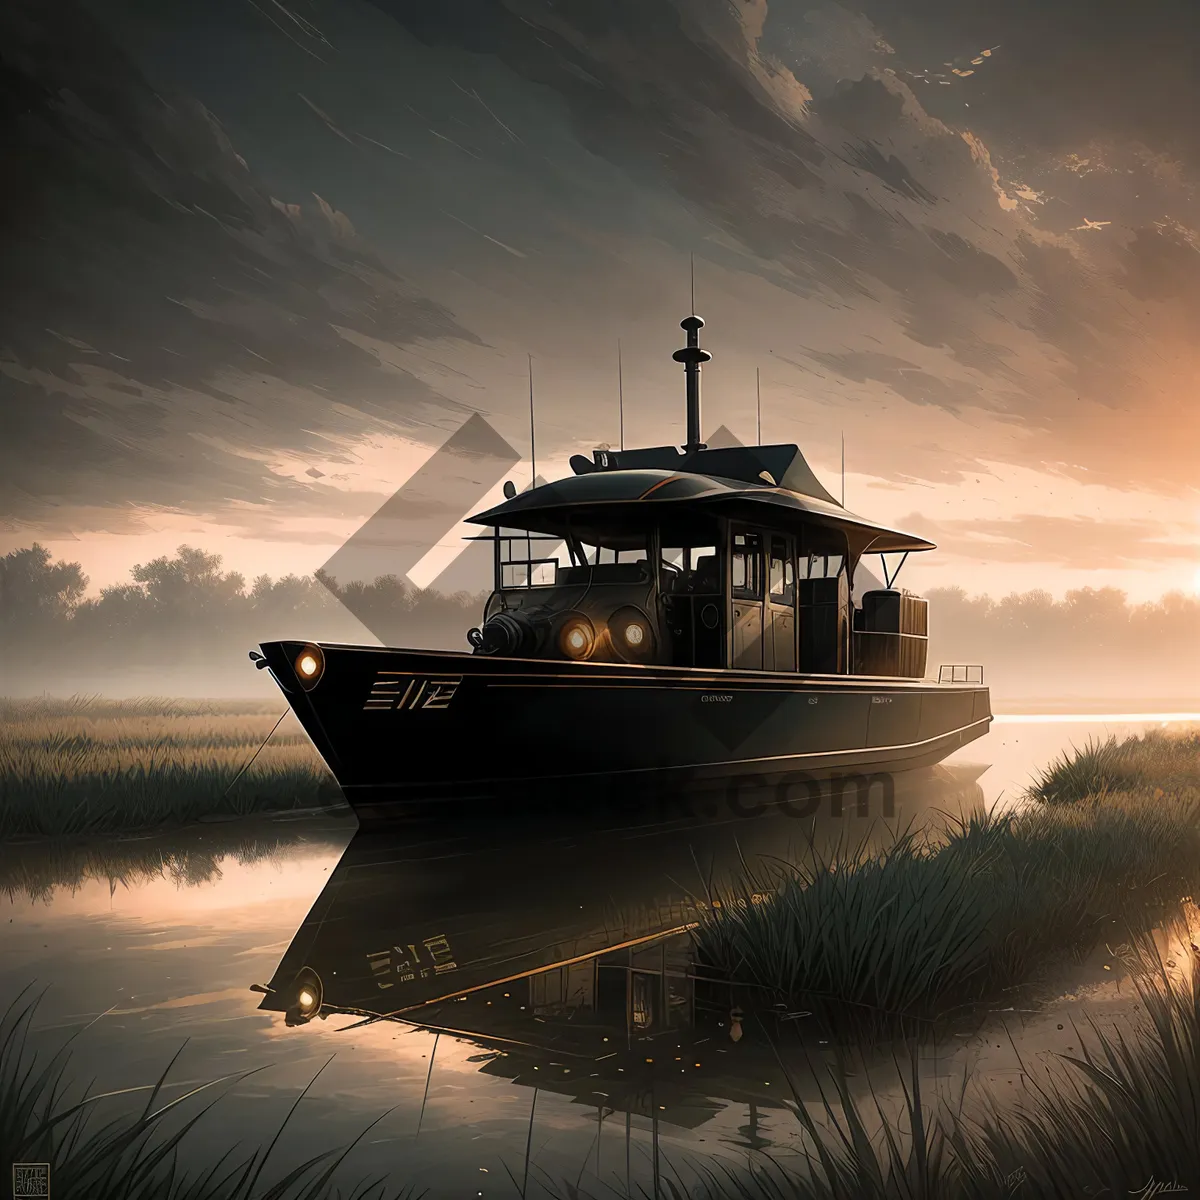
959 673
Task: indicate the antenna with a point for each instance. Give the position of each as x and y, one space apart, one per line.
693 281
843 469
532 442
758 390
621 393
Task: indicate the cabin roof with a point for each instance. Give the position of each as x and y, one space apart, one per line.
641 484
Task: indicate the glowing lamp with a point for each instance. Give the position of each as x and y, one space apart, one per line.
631 634
310 666
577 638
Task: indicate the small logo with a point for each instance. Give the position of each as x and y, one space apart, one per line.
881 699
31 1180
717 698
397 689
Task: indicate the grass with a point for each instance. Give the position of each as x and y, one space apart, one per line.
1156 759
135 1155
1121 1114
899 939
87 766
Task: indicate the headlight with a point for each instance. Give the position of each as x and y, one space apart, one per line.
310 666
631 634
577 637
307 995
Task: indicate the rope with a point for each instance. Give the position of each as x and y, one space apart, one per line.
256 753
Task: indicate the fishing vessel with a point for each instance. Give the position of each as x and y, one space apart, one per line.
663 616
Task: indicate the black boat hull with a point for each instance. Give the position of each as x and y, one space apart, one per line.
407 726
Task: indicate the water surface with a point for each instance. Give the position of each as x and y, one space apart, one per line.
152 942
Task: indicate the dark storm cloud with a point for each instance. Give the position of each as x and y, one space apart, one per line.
854 192
168 328
166 324
1065 70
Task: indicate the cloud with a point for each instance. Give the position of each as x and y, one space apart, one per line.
863 198
154 294
1079 543
909 253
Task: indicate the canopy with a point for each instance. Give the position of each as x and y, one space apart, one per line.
635 494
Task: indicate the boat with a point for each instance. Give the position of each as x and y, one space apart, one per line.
664 617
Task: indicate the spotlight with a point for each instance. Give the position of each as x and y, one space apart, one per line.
310 666
577 637
308 994
631 634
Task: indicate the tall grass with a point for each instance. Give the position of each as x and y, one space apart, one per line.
892 941
1155 759
85 766
135 1155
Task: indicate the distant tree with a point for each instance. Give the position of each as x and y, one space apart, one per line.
33 591
190 584
186 607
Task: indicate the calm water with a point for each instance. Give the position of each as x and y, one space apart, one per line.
612 1044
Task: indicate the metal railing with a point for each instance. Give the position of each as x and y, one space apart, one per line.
958 673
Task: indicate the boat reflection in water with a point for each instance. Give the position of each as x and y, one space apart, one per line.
565 952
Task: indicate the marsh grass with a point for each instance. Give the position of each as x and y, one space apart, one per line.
893 941
87 766
1156 759
135 1154
1119 1116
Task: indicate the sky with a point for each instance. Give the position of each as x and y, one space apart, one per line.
263 257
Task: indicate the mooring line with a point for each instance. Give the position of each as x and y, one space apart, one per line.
256 753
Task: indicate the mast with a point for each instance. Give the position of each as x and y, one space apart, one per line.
692 356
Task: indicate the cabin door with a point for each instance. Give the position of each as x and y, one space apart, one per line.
779 640
746 598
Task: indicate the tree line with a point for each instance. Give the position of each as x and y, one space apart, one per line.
186 608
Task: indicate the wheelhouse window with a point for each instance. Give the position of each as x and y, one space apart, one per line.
747 567
606 557
694 569
783 577
821 566
526 561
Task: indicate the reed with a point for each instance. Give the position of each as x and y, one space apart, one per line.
85 766
1155 759
896 940
135 1154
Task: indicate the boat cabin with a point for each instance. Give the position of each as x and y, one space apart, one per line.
732 558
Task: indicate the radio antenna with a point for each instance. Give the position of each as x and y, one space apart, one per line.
621 393
532 442
843 469
693 281
758 390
